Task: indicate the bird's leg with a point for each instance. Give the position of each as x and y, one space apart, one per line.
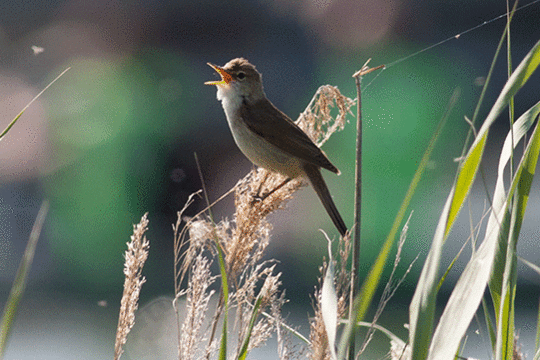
260 197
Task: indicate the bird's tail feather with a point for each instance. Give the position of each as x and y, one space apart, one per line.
315 178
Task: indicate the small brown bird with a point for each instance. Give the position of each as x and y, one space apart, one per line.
268 137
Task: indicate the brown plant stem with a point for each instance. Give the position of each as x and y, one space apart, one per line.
358 201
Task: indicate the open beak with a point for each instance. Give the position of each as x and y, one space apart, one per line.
226 78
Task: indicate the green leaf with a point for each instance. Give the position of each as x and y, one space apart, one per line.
225 293
489 324
470 288
254 314
422 308
519 130
505 327
19 285
6 130
465 180
510 89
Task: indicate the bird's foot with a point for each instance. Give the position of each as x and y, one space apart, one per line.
258 198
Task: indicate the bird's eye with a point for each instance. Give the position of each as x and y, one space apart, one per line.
241 75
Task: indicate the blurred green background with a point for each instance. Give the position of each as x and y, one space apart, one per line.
115 137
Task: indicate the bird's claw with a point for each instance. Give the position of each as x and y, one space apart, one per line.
257 199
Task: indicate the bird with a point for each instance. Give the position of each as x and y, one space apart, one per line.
268 137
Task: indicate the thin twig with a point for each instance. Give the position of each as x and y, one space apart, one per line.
358 198
357 204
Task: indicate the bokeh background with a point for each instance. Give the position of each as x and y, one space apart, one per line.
115 137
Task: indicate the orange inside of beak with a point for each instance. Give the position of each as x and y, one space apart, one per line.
226 78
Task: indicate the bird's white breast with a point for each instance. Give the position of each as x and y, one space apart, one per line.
256 148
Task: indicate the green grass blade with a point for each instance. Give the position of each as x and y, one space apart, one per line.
223 271
525 180
489 324
519 130
254 314
470 167
505 338
465 180
422 308
468 293
19 285
469 290
225 292
520 76
505 326
13 122
6 130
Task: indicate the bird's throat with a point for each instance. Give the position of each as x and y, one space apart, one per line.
231 102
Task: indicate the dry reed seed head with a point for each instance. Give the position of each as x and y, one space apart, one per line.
137 249
270 288
262 331
200 231
268 291
202 235
286 349
197 300
251 234
251 214
246 247
247 283
135 257
201 277
343 275
318 339
245 297
317 120
259 183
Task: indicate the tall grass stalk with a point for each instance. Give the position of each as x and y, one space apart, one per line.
135 257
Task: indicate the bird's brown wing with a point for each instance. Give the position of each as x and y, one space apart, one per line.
285 134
